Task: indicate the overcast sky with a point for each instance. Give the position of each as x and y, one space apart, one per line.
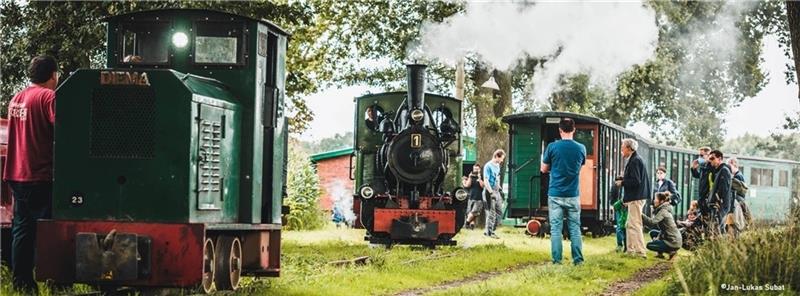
761 115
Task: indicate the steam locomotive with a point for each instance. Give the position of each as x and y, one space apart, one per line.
408 165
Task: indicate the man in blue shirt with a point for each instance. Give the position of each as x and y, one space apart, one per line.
563 159
491 193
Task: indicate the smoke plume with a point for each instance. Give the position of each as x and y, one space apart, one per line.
597 38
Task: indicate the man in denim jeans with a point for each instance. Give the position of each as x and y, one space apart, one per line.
491 193
563 159
29 166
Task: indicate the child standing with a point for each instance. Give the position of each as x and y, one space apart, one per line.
620 215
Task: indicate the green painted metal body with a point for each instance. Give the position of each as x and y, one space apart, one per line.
769 202
215 137
369 141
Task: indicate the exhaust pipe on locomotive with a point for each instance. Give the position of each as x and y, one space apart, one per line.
416 91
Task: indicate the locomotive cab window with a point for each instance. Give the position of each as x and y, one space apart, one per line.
218 43
443 119
373 116
144 43
585 137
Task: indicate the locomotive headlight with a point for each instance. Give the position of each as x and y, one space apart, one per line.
461 194
417 115
367 192
180 39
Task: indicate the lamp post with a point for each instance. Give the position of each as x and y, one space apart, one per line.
491 84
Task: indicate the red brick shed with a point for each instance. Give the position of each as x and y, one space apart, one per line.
333 169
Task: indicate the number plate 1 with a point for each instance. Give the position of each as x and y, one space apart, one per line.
416 140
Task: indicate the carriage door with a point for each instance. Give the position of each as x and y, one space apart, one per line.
587 134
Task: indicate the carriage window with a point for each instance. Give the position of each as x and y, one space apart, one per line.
784 179
144 43
761 177
217 43
586 137
673 171
766 177
373 115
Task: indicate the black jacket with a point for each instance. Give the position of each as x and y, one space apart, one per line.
721 191
636 181
669 186
701 172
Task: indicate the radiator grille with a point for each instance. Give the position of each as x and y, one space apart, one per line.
123 122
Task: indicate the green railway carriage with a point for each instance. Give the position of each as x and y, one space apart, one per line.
772 180
170 163
770 183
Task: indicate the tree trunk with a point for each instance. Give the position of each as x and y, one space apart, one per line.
793 14
490 107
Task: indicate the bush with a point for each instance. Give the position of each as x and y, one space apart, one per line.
303 192
764 257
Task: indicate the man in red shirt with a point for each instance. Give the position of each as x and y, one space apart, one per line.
29 165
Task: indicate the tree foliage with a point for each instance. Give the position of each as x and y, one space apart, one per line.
339 43
303 191
73 33
337 141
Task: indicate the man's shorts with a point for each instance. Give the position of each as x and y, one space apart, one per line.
475 206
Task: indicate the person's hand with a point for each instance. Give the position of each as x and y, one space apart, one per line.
695 164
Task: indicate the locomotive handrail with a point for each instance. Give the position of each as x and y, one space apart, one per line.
526 163
530 197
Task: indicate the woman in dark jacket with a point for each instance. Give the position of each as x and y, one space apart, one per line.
669 239
664 184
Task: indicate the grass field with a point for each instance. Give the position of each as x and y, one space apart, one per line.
305 270
519 265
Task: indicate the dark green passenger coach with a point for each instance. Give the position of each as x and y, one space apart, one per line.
174 153
771 180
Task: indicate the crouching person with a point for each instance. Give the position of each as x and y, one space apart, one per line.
669 238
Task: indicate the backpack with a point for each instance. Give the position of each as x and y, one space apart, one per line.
739 187
676 199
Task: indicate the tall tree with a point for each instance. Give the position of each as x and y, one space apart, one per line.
793 19
490 107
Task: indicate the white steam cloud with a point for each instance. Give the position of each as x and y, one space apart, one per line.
601 39
342 198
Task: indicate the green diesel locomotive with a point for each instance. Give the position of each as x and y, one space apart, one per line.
170 164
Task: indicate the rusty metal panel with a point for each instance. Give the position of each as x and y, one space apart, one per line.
445 218
101 259
176 250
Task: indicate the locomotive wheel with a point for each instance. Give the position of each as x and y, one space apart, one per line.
208 266
228 263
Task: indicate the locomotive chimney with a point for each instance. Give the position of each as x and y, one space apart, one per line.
416 86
